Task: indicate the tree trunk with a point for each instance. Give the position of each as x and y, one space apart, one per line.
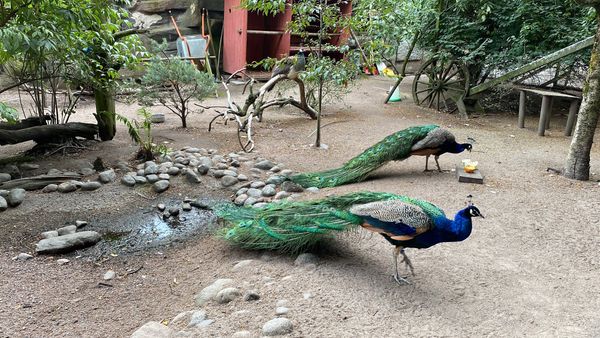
25 123
578 161
48 133
105 114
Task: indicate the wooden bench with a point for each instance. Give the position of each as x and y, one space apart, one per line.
547 98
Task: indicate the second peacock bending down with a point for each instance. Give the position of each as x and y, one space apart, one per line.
424 140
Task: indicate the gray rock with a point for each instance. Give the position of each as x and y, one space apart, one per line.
80 224
186 207
196 318
89 186
241 191
264 165
152 178
200 204
281 302
229 173
15 197
228 181
22 257
50 188
49 234
282 195
161 186
275 169
242 334
107 176
253 192
192 177
161 207
140 172
218 158
306 258
222 166
67 243
218 173
108 275
157 118
62 261
128 180
151 169
87 171
260 205
54 172
242 265
4 193
179 165
203 170
286 172
152 330
312 189
12 170
281 310
276 179
123 166
182 160
240 199
290 186
250 201
205 323
227 295
3 204
212 151
205 161
4 177
164 176
251 295
76 183
173 171
67 187
211 291
29 166
192 150
268 191
235 163
242 177
140 179
67 230
174 211
277 326
257 184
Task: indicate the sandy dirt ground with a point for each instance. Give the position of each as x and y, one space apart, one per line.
530 268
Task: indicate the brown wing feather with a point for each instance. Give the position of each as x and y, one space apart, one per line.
434 139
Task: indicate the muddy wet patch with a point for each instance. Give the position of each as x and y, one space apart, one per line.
149 228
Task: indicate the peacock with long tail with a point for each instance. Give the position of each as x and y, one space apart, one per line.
423 140
294 227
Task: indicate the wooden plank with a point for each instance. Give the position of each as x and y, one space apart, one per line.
522 109
474 177
571 119
541 62
548 93
544 114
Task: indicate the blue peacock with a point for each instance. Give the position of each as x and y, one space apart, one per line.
426 140
296 226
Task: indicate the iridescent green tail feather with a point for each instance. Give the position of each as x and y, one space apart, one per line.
295 226
395 147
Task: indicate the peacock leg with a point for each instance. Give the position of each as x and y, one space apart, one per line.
426 163
407 261
437 163
399 280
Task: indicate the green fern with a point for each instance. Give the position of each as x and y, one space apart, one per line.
141 134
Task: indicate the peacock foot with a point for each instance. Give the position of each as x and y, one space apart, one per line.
401 280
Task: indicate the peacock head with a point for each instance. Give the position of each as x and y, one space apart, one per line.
467 146
471 209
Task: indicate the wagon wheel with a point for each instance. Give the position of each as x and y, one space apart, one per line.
440 84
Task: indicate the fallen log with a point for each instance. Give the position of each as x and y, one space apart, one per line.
25 123
49 133
37 182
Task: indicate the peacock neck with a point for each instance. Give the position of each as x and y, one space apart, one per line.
455 148
461 226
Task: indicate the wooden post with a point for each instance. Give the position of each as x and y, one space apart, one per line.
549 113
544 114
572 115
522 109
